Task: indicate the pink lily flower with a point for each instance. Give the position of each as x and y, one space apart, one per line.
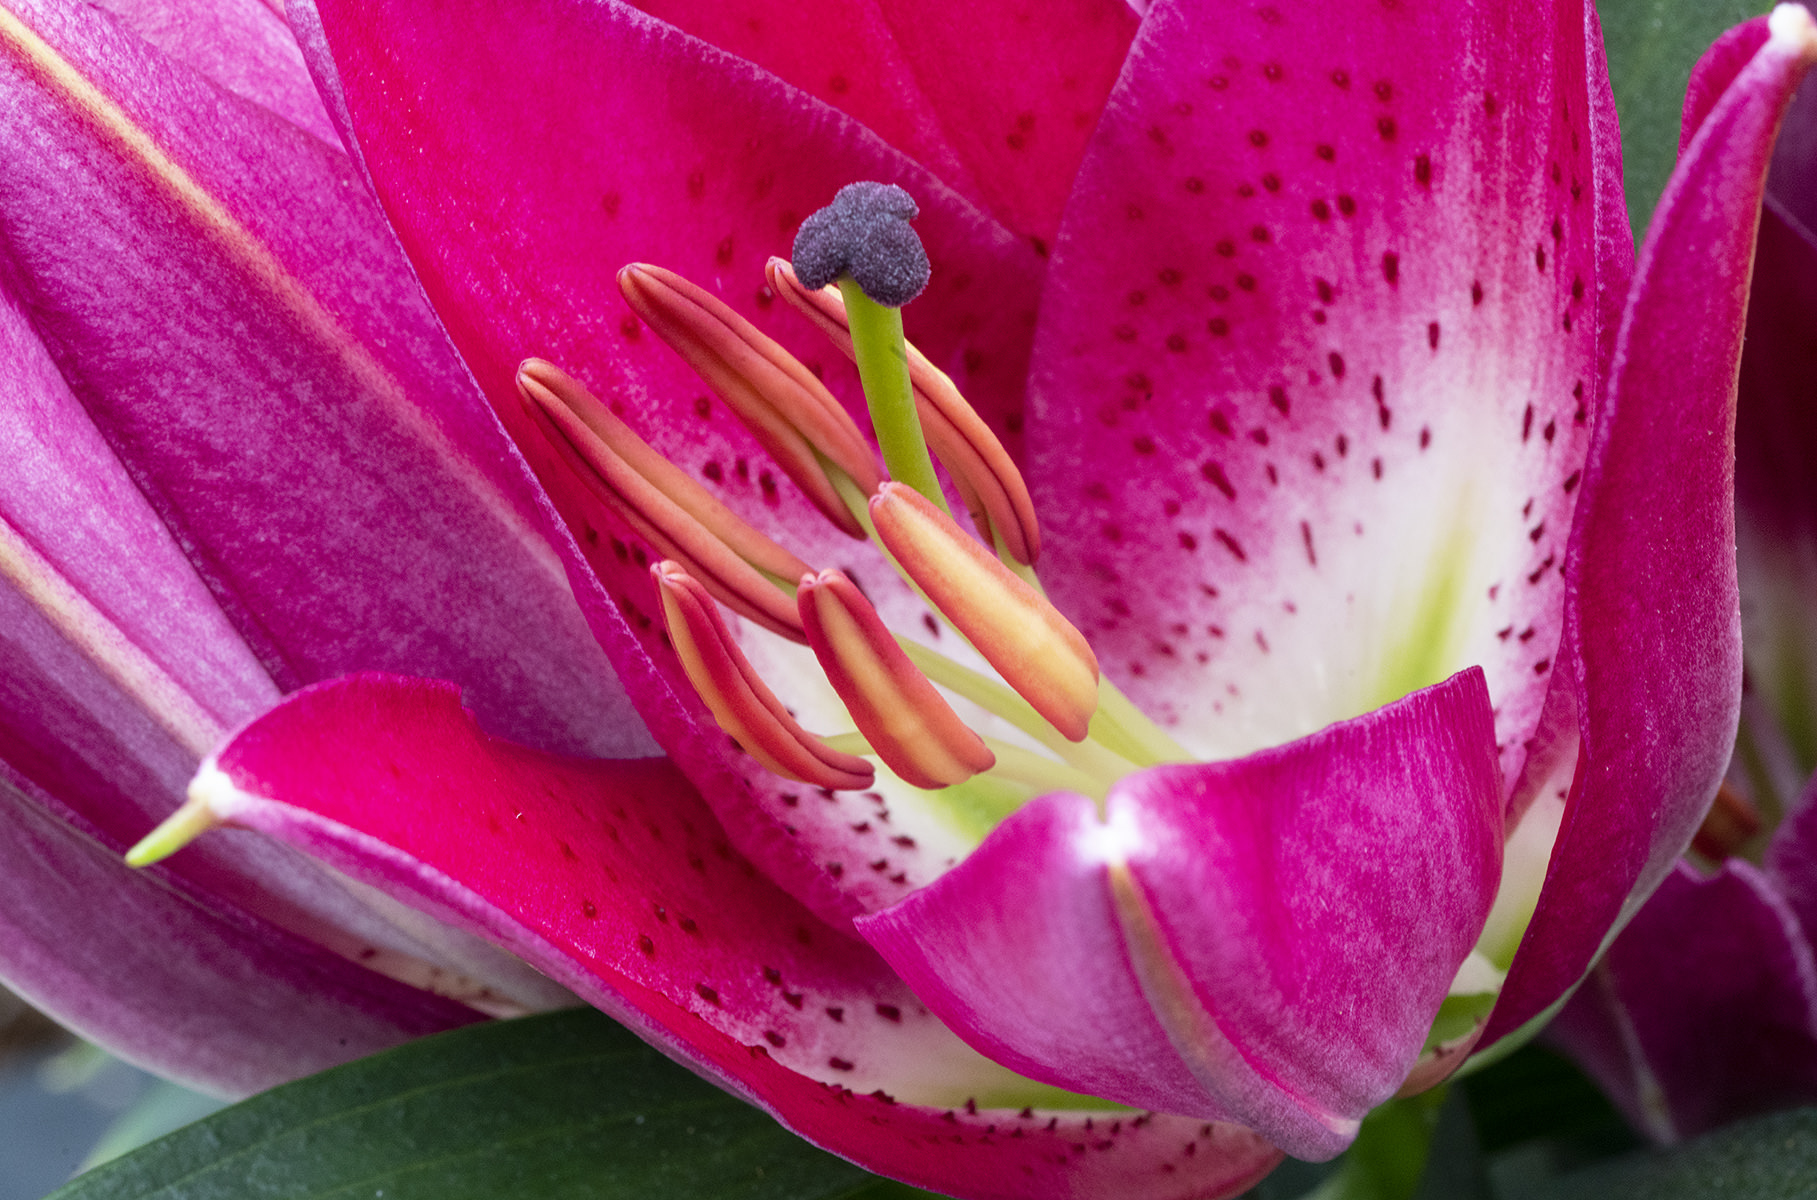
1360 462
1704 1010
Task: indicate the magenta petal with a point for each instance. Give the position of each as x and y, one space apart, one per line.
243 45
1705 1008
998 99
614 878
1325 264
234 318
524 155
193 990
1265 940
1652 561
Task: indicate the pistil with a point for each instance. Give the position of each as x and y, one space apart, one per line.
863 243
988 481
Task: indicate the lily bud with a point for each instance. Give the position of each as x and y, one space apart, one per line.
1034 648
739 566
903 716
790 412
989 483
738 699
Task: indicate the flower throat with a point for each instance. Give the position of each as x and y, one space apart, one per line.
856 263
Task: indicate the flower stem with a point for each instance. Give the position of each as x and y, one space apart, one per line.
882 356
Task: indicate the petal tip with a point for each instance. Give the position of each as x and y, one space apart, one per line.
1791 25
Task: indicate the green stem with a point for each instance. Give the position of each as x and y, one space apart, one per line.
882 356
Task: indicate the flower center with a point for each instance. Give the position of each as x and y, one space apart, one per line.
1049 721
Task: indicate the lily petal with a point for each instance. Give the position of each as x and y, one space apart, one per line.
1302 291
178 983
998 99
615 878
184 520
243 45
331 512
1652 560
1265 940
517 204
1705 1008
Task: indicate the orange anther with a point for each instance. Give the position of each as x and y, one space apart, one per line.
738 699
903 716
789 411
1034 648
743 569
987 478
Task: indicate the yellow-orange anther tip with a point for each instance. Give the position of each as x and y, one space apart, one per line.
907 722
740 702
1037 651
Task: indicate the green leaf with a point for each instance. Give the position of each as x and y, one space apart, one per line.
1769 1158
1652 46
567 1105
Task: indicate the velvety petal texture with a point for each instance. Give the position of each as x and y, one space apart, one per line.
1652 557
1265 940
197 991
243 45
517 205
1306 287
616 879
997 99
220 479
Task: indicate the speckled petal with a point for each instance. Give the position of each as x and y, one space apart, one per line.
1265 940
1318 359
547 144
998 99
615 879
1652 559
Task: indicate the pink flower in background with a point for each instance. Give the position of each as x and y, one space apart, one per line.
1360 461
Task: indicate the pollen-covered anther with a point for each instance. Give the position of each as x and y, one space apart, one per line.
740 567
1034 648
987 478
738 699
791 414
904 717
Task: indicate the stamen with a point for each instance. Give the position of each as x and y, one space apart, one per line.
738 699
987 478
789 411
740 567
907 721
1034 648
